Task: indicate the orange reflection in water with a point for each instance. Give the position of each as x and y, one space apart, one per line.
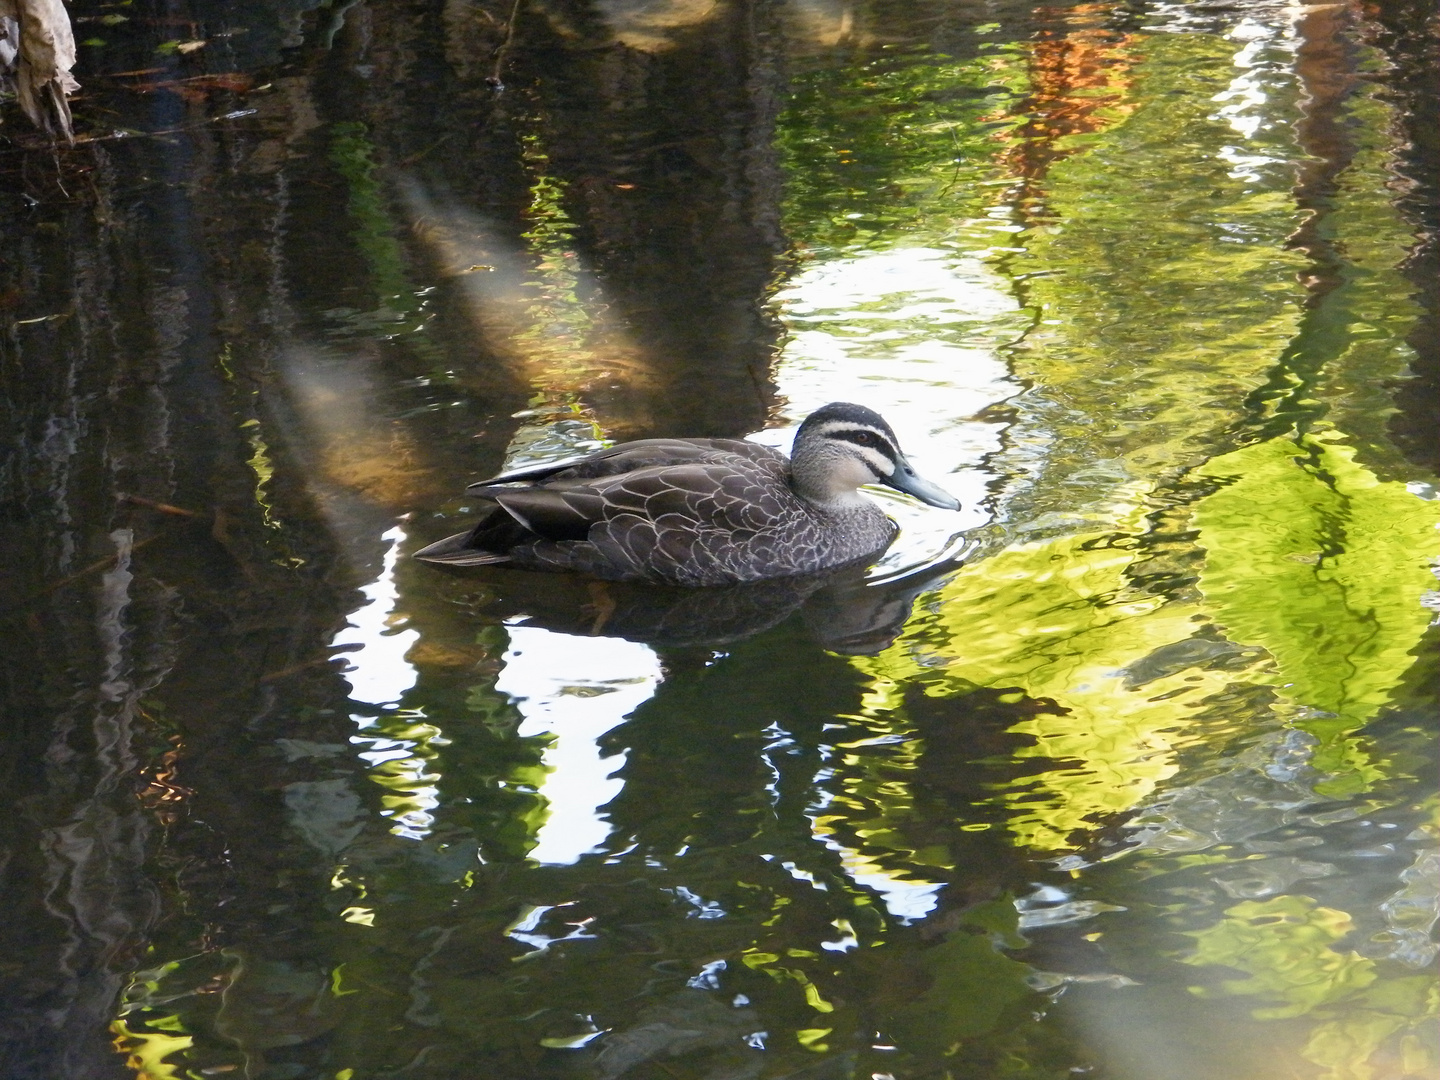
1080 76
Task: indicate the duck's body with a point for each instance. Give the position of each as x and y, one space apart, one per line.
698 511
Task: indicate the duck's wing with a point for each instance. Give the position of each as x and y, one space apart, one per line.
564 508
642 454
700 524
460 550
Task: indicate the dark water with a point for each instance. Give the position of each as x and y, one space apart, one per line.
1125 771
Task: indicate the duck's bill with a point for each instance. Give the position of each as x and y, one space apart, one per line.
905 479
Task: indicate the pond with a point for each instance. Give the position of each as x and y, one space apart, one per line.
1126 770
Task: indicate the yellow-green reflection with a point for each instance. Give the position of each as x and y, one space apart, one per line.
157 1020
1290 953
1157 312
261 465
260 458
1311 557
146 1051
1059 621
559 324
872 800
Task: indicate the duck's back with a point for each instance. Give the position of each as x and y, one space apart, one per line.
647 453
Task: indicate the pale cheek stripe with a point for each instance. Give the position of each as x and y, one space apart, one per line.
883 469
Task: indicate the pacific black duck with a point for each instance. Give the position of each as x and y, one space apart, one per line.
699 511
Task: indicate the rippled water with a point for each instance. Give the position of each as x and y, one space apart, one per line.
1126 770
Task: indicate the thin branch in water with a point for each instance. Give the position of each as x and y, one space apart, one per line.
116 135
164 508
102 564
503 49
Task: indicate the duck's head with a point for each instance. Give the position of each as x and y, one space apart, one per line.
842 446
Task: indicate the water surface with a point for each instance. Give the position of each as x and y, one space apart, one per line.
1126 770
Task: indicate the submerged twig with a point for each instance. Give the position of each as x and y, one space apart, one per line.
164 508
296 669
116 135
100 564
502 50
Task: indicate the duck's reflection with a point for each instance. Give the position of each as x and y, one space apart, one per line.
843 611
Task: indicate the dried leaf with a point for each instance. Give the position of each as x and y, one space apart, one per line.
38 53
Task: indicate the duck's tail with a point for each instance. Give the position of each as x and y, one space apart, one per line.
488 543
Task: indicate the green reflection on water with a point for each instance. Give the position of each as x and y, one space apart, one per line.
1164 293
1060 622
372 220
1292 954
885 150
1312 558
1162 287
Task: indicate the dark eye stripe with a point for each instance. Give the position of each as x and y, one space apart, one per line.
875 441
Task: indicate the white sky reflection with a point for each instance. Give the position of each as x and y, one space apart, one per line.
396 746
1242 103
379 673
911 333
914 333
576 688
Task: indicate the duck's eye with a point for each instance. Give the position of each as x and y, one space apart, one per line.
864 438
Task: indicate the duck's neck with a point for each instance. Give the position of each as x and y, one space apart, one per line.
829 481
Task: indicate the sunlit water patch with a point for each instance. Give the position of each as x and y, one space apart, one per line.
397 744
575 689
378 673
1263 72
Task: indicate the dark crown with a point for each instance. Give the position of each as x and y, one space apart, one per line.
847 412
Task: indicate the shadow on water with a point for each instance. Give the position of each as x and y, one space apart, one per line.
1141 787
843 612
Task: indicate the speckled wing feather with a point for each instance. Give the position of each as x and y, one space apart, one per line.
701 524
